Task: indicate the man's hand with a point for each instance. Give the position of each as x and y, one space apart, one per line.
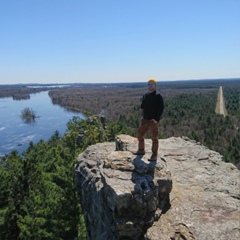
156 122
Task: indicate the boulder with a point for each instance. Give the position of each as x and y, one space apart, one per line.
188 193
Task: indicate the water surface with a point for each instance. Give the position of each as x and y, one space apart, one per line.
15 134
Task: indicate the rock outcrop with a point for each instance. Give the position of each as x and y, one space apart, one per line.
189 193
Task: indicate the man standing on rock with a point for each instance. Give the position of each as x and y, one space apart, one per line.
152 108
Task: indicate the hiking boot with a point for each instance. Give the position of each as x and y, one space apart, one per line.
153 158
139 152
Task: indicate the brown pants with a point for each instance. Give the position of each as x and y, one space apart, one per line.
148 125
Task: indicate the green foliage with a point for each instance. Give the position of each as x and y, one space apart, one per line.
38 194
38 197
193 115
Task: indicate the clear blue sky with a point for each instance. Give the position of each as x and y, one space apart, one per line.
66 41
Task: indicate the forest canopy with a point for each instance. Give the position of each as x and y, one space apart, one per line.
189 110
38 194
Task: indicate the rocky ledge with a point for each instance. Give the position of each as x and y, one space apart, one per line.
189 193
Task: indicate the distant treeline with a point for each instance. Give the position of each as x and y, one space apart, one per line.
19 92
189 110
38 193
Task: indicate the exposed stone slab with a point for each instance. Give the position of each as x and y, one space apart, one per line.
205 198
124 196
121 194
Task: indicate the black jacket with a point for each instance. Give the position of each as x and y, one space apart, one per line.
152 105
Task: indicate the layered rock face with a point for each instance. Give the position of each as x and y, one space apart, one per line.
189 193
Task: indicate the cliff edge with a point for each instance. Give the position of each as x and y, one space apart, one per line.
189 193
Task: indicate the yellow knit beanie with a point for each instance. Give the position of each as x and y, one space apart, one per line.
153 80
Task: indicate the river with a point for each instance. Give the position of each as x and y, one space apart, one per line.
16 134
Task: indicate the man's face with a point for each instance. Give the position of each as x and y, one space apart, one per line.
151 86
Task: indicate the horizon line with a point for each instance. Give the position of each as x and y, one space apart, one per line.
174 80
